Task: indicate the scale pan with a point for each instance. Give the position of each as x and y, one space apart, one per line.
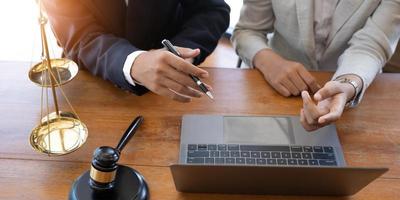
59 136
62 114
64 70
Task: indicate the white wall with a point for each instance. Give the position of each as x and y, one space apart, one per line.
235 5
19 33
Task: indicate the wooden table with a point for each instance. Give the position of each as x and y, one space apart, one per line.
370 134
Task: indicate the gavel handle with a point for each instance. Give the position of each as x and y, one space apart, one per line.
129 133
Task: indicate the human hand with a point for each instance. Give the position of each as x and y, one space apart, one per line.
286 77
329 106
167 75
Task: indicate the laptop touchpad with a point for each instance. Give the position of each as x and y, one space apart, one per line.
258 130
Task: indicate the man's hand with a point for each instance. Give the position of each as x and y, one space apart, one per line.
329 106
287 77
168 75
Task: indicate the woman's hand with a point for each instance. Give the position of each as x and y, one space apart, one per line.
329 104
285 76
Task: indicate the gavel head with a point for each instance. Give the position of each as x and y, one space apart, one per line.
104 168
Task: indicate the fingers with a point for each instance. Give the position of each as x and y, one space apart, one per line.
305 124
311 112
188 53
335 111
179 77
179 82
183 66
294 77
167 75
189 60
208 87
181 89
168 93
327 111
281 90
298 81
330 89
309 80
330 117
291 79
179 69
291 87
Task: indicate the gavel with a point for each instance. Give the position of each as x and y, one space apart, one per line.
105 158
108 180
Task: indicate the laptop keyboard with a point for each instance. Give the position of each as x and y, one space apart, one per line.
235 154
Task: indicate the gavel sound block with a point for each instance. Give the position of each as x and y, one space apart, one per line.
107 180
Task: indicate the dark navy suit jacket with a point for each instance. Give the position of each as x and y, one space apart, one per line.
100 34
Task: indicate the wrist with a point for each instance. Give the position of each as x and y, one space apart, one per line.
128 65
135 67
351 84
266 59
349 90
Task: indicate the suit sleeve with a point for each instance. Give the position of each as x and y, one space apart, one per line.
373 45
250 34
204 22
88 43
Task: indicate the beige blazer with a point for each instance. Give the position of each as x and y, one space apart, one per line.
363 37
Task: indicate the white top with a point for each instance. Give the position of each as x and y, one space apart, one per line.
323 14
360 40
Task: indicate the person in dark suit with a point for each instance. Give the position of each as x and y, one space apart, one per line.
120 40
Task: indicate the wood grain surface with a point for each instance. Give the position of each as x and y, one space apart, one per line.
370 133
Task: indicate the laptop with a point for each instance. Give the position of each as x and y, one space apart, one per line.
264 155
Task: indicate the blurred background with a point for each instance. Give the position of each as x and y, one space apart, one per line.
20 36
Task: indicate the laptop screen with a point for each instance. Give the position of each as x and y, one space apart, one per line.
258 130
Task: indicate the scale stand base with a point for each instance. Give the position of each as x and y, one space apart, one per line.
129 185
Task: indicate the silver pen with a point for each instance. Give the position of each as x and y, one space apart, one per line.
167 44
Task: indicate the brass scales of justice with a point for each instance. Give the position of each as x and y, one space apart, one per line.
61 132
58 132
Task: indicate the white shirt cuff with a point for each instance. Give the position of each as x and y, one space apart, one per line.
130 59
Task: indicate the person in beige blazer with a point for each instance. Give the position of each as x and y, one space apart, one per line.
353 38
